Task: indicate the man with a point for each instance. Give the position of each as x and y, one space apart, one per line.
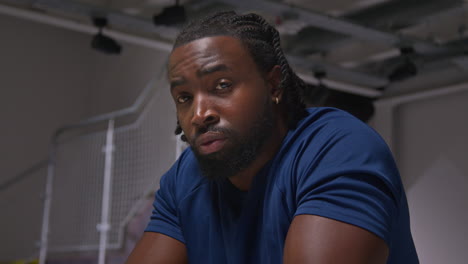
266 180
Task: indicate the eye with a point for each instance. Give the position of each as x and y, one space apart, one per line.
183 99
223 85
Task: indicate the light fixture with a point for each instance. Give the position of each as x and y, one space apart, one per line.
171 15
405 68
102 42
316 94
357 105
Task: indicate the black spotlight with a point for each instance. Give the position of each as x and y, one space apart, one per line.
171 15
102 42
320 95
406 68
315 94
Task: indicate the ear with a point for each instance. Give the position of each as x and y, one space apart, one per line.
274 81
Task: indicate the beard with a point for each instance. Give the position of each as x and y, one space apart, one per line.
240 151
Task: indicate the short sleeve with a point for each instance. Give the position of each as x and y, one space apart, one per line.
164 218
350 177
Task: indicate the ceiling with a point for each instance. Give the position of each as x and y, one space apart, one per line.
373 48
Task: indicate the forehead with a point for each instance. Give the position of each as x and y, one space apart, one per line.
198 53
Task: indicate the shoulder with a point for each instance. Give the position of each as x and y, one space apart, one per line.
327 122
330 142
183 177
329 129
335 166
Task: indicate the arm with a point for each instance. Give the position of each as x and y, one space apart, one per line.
316 239
347 198
162 242
156 248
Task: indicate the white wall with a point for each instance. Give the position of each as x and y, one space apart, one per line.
429 139
43 85
432 150
50 77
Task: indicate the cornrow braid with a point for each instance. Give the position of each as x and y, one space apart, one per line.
263 42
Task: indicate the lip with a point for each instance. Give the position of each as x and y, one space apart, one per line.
210 142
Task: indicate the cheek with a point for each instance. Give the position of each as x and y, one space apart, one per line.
183 122
247 107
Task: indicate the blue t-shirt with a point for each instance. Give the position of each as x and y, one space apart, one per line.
331 165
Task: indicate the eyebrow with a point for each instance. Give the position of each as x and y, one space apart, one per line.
212 69
200 73
177 82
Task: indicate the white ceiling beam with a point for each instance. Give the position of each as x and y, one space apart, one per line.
437 24
339 73
115 19
337 25
339 78
83 28
341 86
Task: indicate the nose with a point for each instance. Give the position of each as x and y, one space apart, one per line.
204 112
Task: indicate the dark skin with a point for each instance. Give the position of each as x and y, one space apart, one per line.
215 82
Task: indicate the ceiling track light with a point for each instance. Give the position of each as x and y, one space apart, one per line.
316 94
320 74
102 42
406 68
171 15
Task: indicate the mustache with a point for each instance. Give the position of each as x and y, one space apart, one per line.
214 129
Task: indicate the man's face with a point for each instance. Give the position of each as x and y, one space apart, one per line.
223 102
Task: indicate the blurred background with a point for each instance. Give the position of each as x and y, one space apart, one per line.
87 120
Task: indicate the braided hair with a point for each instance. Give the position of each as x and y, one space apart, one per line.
263 42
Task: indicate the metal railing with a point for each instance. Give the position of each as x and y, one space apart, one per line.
90 196
102 227
99 173
21 203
